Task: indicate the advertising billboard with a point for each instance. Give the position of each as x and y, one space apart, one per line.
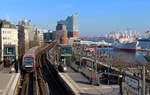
132 82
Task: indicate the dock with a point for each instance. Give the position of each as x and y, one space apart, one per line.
147 50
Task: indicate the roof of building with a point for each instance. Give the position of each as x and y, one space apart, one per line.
6 24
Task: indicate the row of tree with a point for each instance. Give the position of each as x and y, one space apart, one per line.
23 47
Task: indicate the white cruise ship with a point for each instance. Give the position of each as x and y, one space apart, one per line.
126 43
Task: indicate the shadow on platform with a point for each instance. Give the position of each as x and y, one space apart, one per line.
88 94
83 82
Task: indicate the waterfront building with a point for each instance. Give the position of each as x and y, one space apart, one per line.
8 41
61 34
61 27
71 25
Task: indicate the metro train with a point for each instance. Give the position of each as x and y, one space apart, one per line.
113 78
29 59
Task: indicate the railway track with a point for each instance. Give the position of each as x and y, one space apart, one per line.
32 83
56 84
45 80
27 84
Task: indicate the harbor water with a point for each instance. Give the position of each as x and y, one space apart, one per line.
137 57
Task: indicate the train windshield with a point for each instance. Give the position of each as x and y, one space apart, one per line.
28 60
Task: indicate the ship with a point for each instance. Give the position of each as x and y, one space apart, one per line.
147 57
144 39
126 43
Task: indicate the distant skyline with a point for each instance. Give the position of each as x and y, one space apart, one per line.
96 17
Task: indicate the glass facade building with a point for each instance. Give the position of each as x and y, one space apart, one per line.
71 25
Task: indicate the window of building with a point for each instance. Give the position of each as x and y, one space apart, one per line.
4 38
6 25
9 50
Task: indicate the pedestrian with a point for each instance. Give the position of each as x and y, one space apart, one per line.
16 66
78 67
6 63
10 64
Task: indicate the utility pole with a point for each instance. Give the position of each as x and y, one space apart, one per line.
143 84
64 61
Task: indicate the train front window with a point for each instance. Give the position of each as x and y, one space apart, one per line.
28 60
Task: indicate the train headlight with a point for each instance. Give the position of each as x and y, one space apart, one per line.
65 68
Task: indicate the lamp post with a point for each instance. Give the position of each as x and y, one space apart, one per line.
92 73
91 81
109 66
108 76
80 61
143 82
97 78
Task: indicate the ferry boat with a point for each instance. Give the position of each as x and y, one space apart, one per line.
126 43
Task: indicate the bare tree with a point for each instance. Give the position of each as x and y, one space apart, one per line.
33 43
21 49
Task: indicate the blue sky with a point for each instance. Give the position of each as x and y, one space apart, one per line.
96 17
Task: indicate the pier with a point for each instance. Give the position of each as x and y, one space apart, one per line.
146 50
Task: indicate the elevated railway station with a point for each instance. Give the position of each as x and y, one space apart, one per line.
40 74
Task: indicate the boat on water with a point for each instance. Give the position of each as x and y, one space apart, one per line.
144 39
126 43
147 56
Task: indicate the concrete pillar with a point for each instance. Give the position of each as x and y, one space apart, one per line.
147 90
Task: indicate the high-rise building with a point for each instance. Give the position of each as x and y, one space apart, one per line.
61 33
61 27
71 25
8 41
42 31
26 34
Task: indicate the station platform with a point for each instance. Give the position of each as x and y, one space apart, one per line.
80 85
8 82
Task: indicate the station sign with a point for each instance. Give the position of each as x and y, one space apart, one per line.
66 51
132 82
9 50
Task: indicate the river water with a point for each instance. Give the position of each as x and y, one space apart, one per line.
137 57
